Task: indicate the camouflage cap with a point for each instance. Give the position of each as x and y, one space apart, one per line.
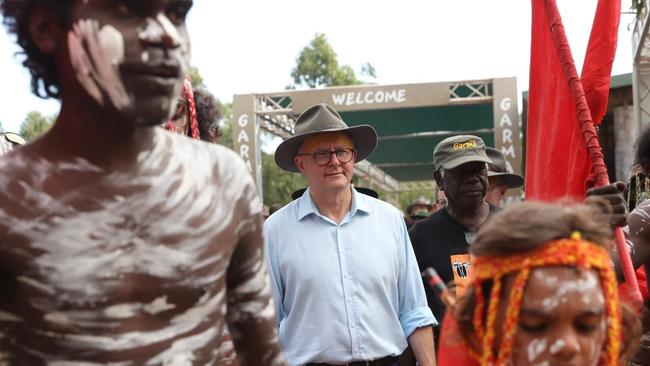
457 150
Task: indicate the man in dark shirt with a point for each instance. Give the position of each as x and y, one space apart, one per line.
442 240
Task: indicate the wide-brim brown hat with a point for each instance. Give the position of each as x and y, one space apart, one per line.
499 168
318 119
509 179
420 201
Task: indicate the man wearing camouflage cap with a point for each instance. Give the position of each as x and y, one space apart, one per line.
442 240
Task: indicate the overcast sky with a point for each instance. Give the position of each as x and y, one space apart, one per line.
250 46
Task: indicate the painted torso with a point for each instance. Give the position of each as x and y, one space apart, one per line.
638 235
126 266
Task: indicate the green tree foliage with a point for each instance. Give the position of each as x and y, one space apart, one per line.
406 198
195 77
278 184
35 124
368 70
317 66
225 125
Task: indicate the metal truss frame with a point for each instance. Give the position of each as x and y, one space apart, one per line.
470 91
275 113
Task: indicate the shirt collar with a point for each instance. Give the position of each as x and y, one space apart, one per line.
306 205
360 202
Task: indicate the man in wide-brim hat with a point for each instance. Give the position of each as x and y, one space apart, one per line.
342 258
420 208
500 177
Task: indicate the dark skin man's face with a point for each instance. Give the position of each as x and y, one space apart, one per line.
181 118
131 55
465 186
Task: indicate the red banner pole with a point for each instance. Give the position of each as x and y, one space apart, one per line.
598 167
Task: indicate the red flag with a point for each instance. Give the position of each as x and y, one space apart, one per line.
597 68
556 90
557 160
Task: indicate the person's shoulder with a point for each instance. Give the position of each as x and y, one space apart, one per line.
436 219
440 216
225 157
380 206
23 163
215 157
216 151
287 215
640 215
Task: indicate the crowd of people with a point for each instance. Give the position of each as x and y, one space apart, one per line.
124 244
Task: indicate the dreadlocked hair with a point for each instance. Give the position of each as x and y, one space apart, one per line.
638 186
191 109
642 156
637 189
42 68
188 94
527 229
208 113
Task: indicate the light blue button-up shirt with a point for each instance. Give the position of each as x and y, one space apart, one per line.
343 292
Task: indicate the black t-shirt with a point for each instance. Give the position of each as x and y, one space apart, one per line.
438 242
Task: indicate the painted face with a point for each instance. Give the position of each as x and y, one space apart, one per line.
466 185
562 320
334 175
441 201
213 132
181 118
131 55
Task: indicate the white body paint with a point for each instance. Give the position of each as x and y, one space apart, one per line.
113 43
535 348
168 237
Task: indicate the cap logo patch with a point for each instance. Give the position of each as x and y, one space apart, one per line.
471 144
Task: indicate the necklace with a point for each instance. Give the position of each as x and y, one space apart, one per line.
470 237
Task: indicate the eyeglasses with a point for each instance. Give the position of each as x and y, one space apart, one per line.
324 157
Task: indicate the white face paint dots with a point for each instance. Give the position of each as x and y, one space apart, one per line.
562 318
113 43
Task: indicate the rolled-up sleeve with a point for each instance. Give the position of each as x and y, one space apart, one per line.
413 309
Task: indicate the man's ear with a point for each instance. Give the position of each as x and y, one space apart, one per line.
44 29
299 164
438 178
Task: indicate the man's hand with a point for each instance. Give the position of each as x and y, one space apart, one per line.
612 193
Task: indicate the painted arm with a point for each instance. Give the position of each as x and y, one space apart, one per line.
251 315
611 201
638 236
